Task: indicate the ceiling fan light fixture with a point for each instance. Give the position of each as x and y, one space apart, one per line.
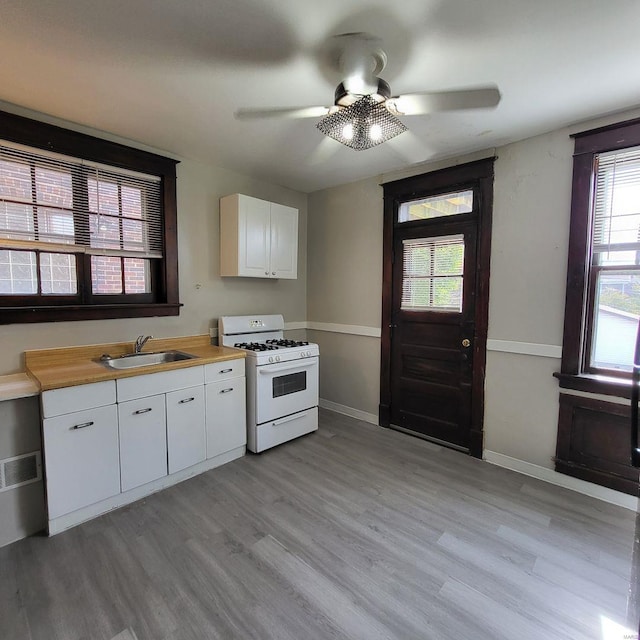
362 125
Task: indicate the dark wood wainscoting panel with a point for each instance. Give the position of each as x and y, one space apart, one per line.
593 443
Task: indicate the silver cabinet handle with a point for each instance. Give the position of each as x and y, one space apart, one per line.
273 273
266 273
227 390
139 411
84 425
186 400
226 371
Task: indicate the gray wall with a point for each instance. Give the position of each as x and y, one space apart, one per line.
532 194
21 508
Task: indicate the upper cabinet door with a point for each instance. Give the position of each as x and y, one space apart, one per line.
254 238
284 241
258 239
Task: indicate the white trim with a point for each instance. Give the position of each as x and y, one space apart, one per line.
372 418
291 326
562 480
525 348
353 329
87 513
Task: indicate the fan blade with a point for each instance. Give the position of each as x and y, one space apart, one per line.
413 104
294 112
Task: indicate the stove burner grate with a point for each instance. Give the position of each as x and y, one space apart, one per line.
255 346
283 342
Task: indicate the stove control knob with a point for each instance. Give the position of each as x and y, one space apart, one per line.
277 358
270 358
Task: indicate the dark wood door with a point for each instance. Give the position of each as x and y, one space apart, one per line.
435 304
433 330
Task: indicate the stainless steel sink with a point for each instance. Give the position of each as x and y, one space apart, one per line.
134 360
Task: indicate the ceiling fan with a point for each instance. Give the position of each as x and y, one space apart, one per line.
365 113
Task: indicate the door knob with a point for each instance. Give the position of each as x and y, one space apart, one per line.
466 342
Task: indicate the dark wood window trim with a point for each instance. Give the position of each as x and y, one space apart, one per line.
477 175
574 373
41 135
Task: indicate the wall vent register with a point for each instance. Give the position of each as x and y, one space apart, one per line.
20 470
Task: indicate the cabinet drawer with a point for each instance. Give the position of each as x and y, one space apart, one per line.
57 402
223 370
143 441
81 459
152 384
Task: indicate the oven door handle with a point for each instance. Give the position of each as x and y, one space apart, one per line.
297 364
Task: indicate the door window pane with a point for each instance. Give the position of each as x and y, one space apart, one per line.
432 274
617 311
448 204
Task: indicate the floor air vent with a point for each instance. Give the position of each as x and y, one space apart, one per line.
20 470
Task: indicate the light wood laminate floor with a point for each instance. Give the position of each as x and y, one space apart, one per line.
351 532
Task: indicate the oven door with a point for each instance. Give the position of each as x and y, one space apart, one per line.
286 388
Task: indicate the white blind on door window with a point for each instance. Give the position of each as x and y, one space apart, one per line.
69 205
616 222
432 275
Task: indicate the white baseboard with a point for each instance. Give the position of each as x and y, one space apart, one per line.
348 411
562 480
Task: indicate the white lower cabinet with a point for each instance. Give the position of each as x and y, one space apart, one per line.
143 441
109 443
186 435
226 416
82 459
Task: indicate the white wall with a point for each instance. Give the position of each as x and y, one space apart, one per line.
532 195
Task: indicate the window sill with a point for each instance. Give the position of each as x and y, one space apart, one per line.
20 315
605 385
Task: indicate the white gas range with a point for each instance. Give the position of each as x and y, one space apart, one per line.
282 379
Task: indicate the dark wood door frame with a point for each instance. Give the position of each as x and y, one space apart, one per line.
479 176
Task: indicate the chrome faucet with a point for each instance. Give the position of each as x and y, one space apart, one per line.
140 342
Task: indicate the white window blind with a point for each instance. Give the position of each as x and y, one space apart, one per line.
433 273
68 205
615 260
616 222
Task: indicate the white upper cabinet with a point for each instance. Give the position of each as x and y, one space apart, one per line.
258 239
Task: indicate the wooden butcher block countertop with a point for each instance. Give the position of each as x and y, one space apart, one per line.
69 366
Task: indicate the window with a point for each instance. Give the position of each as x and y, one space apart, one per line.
603 281
448 204
87 227
433 273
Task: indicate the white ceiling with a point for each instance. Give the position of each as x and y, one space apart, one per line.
171 73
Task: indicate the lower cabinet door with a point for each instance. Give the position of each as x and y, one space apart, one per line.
81 458
143 441
186 436
226 416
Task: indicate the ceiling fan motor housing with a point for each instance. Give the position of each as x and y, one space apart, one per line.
342 98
